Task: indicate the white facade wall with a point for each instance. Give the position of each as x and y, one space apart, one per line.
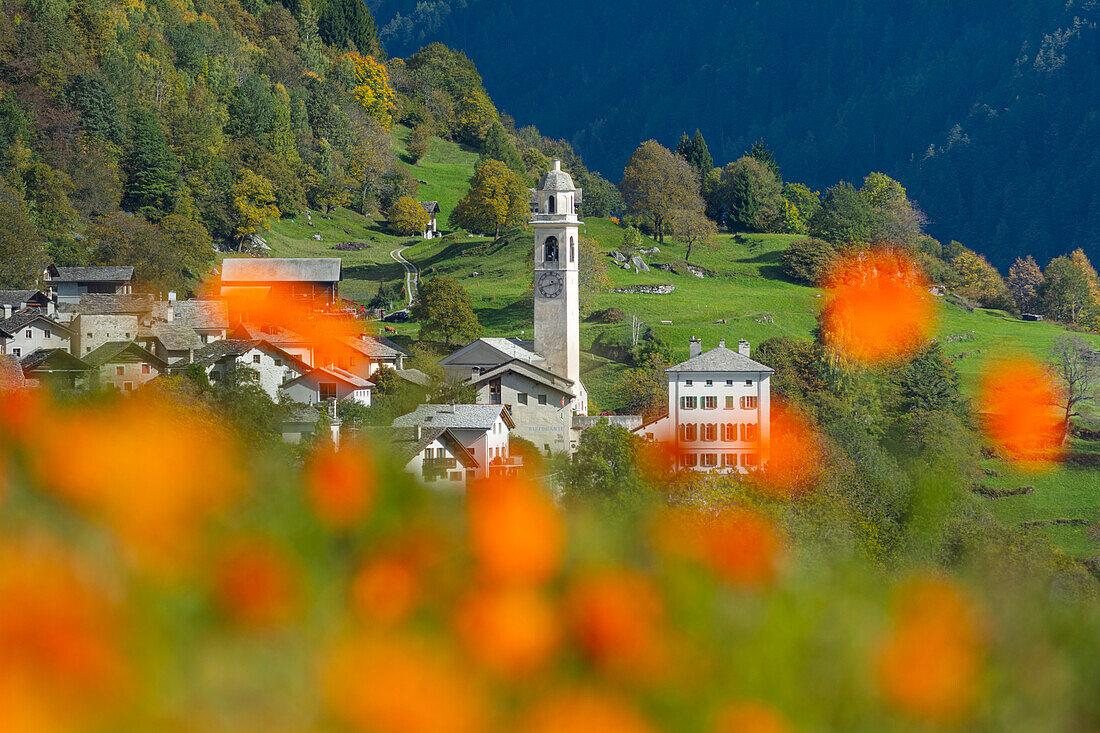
455 477
546 425
307 390
703 434
126 376
485 444
32 337
272 369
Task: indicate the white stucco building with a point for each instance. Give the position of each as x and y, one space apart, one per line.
24 332
482 429
330 384
719 410
271 366
539 380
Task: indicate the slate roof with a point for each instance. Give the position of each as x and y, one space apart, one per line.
719 359
375 347
531 371
175 336
275 335
108 304
15 298
40 356
415 376
335 373
18 320
432 207
406 446
89 274
556 181
201 314
111 349
456 417
215 351
274 269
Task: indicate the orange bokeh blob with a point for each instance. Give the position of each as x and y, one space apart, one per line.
743 547
878 307
618 618
928 664
512 630
255 584
61 660
585 711
516 532
792 454
1019 407
750 717
401 684
385 589
150 469
341 484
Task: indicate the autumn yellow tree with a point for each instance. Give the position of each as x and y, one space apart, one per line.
408 217
980 280
692 227
254 204
498 197
371 85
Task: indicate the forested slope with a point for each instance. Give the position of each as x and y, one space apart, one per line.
984 110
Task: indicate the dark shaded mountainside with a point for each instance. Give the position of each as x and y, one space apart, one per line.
987 111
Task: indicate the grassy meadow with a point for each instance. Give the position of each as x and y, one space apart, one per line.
744 287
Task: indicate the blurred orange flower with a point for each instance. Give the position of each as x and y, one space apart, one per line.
152 470
61 664
929 662
618 618
385 589
750 717
792 454
341 484
255 584
1019 406
741 546
512 630
402 684
878 307
516 532
584 711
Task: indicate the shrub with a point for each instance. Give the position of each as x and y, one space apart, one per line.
606 315
807 260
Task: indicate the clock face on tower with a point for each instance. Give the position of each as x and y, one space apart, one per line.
550 284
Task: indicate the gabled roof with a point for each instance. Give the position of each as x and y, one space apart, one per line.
414 376
51 360
111 304
15 298
111 350
337 374
90 274
531 371
507 349
406 445
375 347
455 417
175 336
286 269
432 207
272 334
215 351
24 318
719 359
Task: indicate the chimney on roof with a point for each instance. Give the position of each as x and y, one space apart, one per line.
557 164
695 347
50 307
419 432
743 348
23 306
7 311
721 343
170 313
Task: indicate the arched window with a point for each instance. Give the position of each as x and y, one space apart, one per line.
550 250
572 250
551 203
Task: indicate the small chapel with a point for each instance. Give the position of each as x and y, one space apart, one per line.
539 380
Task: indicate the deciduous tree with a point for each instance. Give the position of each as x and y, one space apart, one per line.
845 216
656 182
747 196
592 273
1024 281
497 146
254 203
1076 366
498 197
807 260
407 217
23 254
370 85
443 309
692 227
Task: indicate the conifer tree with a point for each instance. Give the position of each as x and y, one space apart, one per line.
694 150
152 181
498 146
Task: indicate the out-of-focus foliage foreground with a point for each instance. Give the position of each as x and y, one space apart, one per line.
159 572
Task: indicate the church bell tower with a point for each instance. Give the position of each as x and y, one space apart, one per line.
557 256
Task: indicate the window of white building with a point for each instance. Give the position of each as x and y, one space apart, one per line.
689 432
729 459
688 403
690 460
710 460
729 431
748 403
749 459
729 402
710 402
710 432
